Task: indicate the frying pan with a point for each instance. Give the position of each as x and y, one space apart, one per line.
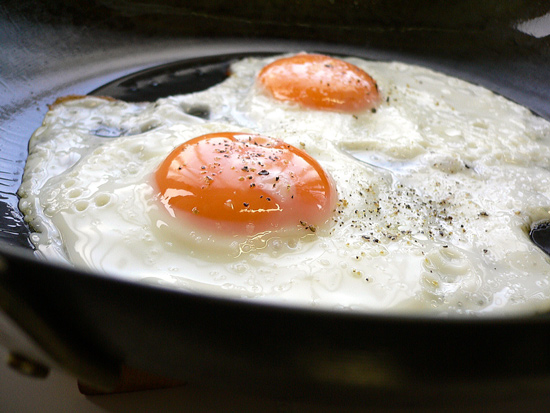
92 325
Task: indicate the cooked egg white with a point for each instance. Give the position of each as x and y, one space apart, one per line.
437 189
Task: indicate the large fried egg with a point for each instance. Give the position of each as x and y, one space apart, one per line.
409 191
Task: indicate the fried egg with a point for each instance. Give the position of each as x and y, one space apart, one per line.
306 181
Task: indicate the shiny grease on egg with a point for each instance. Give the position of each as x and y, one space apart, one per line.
428 218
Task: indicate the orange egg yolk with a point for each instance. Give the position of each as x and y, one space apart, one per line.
320 82
237 183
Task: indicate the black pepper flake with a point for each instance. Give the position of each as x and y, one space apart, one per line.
312 228
263 172
246 204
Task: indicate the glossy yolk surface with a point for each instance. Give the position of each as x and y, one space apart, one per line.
320 82
244 184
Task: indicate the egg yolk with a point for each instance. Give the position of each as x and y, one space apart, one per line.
237 183
320 82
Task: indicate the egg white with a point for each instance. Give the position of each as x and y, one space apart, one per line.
437 189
